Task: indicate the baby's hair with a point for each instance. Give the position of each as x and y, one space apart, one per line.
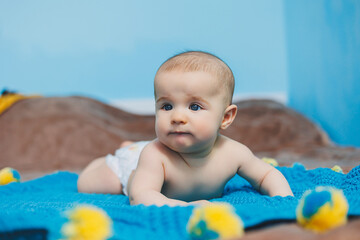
192 61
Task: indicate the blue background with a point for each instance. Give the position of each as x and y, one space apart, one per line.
305 50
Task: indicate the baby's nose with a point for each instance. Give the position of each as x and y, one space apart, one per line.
178 117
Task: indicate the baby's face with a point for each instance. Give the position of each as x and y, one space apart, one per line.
189 110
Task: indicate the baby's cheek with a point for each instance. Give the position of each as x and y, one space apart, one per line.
160 127
157 127
206 129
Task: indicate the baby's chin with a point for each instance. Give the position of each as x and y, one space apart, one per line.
177 147
192 149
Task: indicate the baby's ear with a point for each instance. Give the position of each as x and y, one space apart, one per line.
229 116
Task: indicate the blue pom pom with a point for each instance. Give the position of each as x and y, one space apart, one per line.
16 174
314 201
322 209
9 175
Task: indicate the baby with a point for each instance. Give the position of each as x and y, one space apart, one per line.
190 161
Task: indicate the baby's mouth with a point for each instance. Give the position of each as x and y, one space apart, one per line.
179 133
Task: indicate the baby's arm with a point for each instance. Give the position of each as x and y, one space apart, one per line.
145 187
262 176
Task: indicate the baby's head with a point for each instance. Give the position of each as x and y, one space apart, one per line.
197 61
193 94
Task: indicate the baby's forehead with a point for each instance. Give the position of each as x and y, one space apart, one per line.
193 62
208 86
190 78
212 76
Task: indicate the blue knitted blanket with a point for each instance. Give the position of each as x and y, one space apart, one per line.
41 203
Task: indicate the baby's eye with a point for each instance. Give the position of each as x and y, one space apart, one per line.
167 107
195 107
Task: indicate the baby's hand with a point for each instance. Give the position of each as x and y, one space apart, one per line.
200 202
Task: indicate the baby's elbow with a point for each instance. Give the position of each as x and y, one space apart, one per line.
145 197
133 201
136 198
82 185
133 198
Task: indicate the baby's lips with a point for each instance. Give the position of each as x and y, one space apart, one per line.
179 133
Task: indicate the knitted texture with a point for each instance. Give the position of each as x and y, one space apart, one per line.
41 203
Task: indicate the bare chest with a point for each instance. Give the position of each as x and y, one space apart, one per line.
205 182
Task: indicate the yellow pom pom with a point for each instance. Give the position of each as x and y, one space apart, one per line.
215 221
271 161
6 101
87 222
9 175
322 209
337 168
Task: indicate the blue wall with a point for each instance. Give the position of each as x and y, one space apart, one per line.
323 39
111 49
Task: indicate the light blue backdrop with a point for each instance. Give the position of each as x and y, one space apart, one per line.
323 39
111 50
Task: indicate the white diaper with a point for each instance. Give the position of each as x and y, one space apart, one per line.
125 161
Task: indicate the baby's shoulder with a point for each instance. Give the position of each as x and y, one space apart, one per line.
226 142
154 149
233 148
